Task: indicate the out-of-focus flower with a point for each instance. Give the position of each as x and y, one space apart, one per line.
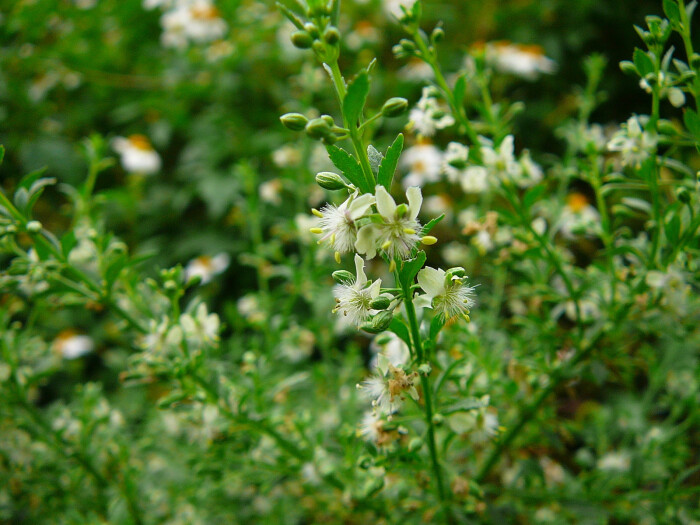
480 424
207 267
615 462
423 163
137 154
362 35
632 142
286 157
393 8
197 21
525 61
429 114
270 191
72 345
578 216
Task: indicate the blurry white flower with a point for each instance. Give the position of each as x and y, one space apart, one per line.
474 179
388 387
501 161
270 191
455 160
354 297
363 34
632 142
525 61
392 347
615 462
578 216
480 424
197 21
393 7
206 267
423 163
416 70
202 328
219 50
397 234
286 157
249 308
72 345
429 115
137 154
447 296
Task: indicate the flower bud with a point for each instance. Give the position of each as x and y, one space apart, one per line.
407 45
331 35
425 369
294 121
676 97
34 226
330 181
381 303
317 128
628 67
415 444
343 276
302 39
438 419
379 322
438 35
457 271
394 107
364 462
328 120
312 30
683 195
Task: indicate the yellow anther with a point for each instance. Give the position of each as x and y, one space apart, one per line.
392 265
409 231
317 213
316 230
467 318
337 257
429 239
386 245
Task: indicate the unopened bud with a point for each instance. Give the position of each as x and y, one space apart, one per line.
401 210
312 30
438 35
676 97
294 121
407 45
343 276
438 419
425 369
683 195
331 35
457 271
302 39
330 181
381 303
379 322
394 107
317 128
34 226
415 444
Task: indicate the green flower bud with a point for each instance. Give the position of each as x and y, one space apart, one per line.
294 121
394 107
331 35
379 322
676 97
312 30
457 271
329 120
343 276
438 35
317 128
34 226
401 210
415 444
381 303
407 45
683 195
330 181
364 462
695 60
628 67
438 419
302 39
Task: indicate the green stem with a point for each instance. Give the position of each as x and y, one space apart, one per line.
689 52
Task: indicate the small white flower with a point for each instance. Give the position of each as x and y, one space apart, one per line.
615 462
206 267
500 162
474 179
202 328
270 191
578 216
423 163
392 348
388 387
480 424
393 7
429 115
525 61
455 160
137 154
371 427
354 298
286 157
632 142
338 222
197 21
447 298
72 345
397 234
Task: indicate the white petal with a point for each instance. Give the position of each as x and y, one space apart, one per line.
415 201
360 270
432 281
366 242
360 205
374 288
385 203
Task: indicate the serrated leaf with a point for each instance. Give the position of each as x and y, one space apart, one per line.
349 166
643 62
409 269
433 222
355 98
388 166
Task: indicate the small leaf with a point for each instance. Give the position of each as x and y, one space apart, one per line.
30 178
355 98
643 62
672 11
436 325
114 269
399 328
410 268
692 121
532 195
388 166
349 166
375 158
433 222
68 242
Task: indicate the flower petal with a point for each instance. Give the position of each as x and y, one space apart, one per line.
415 201
366 242
361 279
385 203
432 281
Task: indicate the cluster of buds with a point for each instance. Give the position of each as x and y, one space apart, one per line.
322 128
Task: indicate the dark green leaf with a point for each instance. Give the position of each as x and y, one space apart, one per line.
68 242
388 166
643 62
409 269
436 325
692 121
2 153
401 330
428 227
114 268
672 11
355 98
349 166
532 195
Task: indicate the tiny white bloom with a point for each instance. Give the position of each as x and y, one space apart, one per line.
455 160
632 142
354 298
429 115
72 345
338 222
578 216
388 387
423 163
197 21
446 298
137 154
525 61
206 267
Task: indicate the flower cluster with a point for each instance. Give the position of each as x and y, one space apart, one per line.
429 115
189 21
633 142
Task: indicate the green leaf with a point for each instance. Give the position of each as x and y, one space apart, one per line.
30 178
532 195
349 166
436 325
355 98
388 166
672 11
114 269
36 190
692 121
672 228
401 330
410 268
643 62
2 153
68 242
464 405
426 229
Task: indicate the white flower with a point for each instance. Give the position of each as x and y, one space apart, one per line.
137 154
531 171
423 163
429 115
270 191
397 234
480 423
632 142
392 348
525 61
195 21
338 222
474 179
202 328
286 157
501 161
371 426
354 297
388 386
448 297
206 267
615 462
578 216
72 345
454 160
393 7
